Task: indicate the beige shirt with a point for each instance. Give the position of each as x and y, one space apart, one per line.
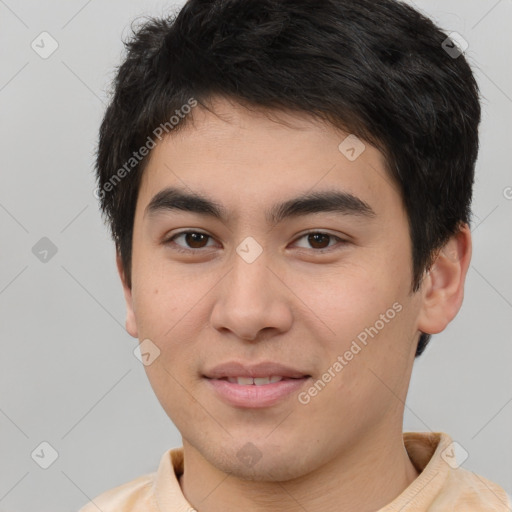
440 487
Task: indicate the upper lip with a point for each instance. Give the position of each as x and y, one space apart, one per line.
263 369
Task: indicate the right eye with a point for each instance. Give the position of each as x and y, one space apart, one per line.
192 238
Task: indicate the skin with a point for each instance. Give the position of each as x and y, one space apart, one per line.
344 449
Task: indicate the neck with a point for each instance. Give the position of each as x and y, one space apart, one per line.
364 478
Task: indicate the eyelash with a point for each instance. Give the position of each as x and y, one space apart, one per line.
181 249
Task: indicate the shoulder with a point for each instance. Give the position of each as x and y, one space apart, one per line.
133 496
467 490
443 484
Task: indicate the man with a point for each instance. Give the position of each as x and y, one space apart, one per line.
288 185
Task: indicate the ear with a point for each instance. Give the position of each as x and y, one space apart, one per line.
443 285
131 324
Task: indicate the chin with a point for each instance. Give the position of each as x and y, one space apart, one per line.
261 463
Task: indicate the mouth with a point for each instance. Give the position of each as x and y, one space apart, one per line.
254 385
259 381
262 370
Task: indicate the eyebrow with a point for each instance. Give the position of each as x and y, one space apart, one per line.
345 203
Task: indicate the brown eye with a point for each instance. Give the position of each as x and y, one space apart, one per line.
194 240
319 240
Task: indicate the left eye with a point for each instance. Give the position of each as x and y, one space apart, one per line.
318 238
195 240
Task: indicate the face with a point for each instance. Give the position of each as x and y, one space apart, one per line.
320 286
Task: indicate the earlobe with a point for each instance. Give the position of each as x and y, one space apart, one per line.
443 285
130 323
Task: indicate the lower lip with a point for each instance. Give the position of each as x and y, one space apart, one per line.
252 396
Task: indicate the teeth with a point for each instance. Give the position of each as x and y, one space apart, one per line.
244 381
258 381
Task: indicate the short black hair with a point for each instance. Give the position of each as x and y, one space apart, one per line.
378 69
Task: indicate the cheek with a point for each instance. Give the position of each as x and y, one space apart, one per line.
367 320
346 300
159 298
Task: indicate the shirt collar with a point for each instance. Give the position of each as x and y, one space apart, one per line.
432 454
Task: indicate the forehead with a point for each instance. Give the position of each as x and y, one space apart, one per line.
249 157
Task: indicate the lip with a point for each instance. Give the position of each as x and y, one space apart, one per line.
262 369
253 396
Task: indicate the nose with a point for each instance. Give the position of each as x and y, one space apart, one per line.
252 298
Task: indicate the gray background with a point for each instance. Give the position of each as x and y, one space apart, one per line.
68 375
